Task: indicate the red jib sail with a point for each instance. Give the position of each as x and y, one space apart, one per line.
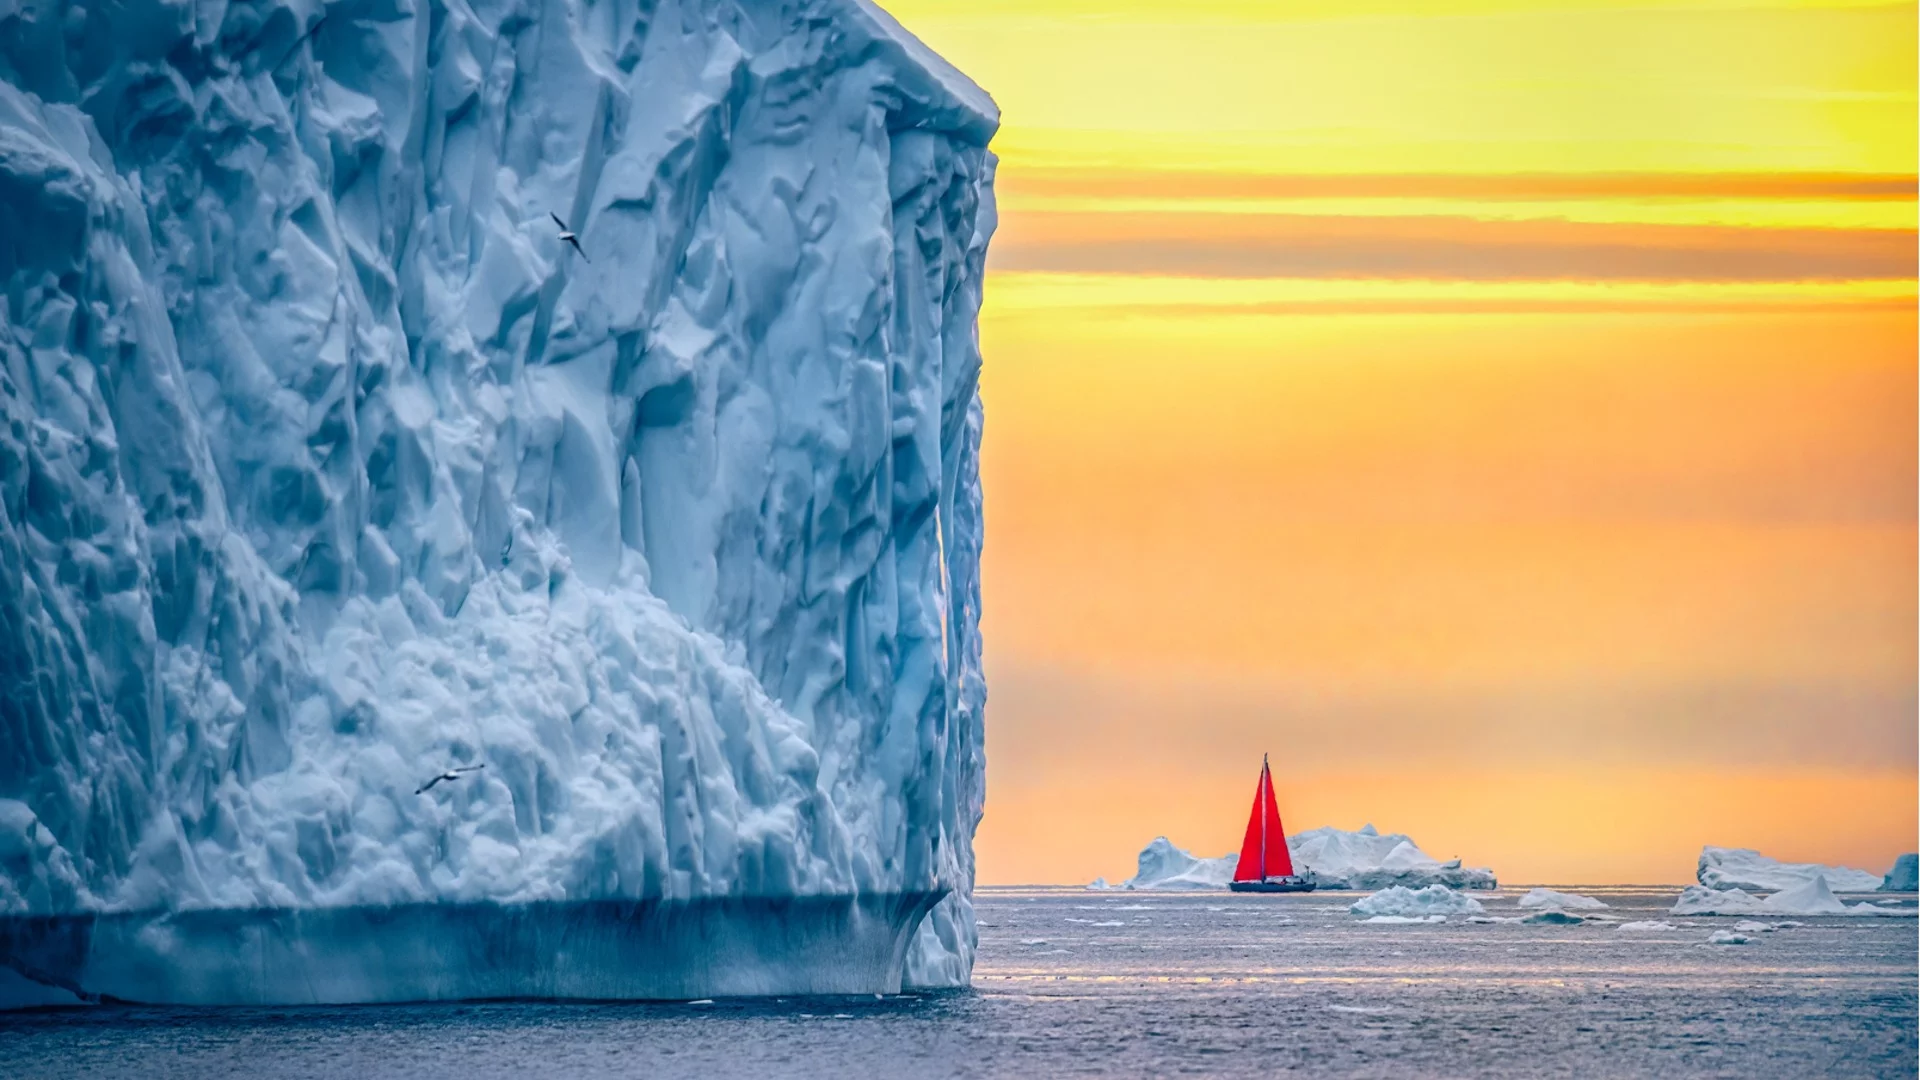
1263 854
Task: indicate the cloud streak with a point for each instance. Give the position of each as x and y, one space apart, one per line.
1443 248
1058 182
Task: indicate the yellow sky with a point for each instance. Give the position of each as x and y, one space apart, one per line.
1503 412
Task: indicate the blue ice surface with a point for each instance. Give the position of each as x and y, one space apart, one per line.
327 464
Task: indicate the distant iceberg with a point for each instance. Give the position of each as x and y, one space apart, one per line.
1813 897
1744 868
1402 902
1338 859
1559 901
1902 877
1164 866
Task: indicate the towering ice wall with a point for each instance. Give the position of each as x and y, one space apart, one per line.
327 465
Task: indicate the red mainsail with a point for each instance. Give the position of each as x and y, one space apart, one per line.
1263 854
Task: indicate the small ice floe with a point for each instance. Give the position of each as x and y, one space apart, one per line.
1700 900
1728 937
701 1001
1032 941
1553 917
1646 926
1492 919
1432 900
1560 901
1405 920
1748 926
1360 1010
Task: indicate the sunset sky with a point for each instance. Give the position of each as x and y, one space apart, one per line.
1503 413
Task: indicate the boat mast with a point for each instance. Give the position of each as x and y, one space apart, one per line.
1265 786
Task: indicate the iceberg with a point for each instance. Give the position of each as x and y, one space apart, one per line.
1902 877
1164 866
1813 897
1364 859
1338 859
576 401
1398 900
1559 901
1744 868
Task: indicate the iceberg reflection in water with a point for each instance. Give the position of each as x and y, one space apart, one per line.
1088 984
589 950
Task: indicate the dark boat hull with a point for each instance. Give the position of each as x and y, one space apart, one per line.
1272 885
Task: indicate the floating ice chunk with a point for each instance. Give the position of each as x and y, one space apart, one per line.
1744 868
1700 900
1646 926
1405 920
1749 926
1164 866
1728 937
1486 919
1432 900
1098 884
1547 898
1553 917
1902 877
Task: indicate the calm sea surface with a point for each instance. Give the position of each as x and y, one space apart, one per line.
1074 983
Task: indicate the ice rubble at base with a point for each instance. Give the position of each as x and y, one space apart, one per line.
1338 859
1560 901
325 465
1398 900
1744 868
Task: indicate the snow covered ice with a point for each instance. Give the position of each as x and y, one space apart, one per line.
328 466
1364 859
1809 898
1401 901
1744 868
1164 866
1338 859
1548 898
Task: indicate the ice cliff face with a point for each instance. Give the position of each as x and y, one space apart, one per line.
327 465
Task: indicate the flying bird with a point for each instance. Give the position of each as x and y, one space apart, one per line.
302 40
450 774
569 236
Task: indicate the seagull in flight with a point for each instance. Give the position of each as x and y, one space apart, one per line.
450 774
302 40
569 236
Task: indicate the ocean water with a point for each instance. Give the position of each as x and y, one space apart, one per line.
1077 983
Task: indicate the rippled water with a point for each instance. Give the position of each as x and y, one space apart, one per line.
1096 984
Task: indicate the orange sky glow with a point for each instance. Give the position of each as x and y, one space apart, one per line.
1503 413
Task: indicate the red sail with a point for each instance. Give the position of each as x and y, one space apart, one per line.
1263 854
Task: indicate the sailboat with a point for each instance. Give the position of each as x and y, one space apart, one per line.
1265 864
